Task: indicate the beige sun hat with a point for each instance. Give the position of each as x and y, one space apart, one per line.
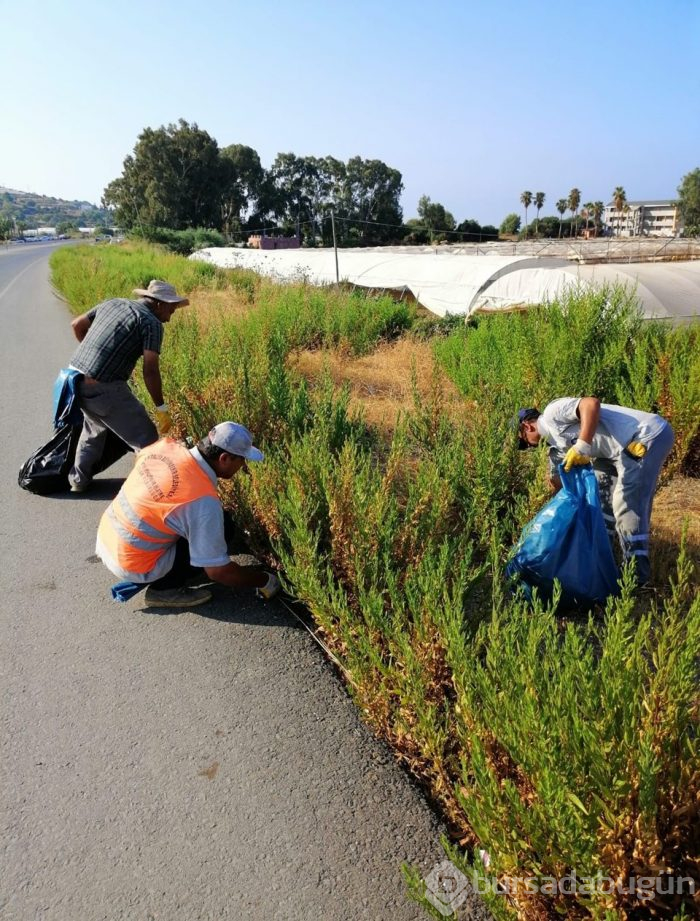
162 291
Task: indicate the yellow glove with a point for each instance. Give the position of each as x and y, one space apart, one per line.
636 449
164 420
578 455
270 588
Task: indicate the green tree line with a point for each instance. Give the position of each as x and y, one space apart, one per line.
179 178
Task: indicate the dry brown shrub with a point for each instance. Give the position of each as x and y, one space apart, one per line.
380 383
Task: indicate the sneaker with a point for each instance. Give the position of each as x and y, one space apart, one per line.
79 487
177 597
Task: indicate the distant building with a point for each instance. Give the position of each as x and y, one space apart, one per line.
256 241
40 232
643 219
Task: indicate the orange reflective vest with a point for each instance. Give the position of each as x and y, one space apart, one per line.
133 529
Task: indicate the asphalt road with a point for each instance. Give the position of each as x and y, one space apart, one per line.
181 767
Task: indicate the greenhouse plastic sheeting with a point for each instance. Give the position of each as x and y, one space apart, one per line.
457 283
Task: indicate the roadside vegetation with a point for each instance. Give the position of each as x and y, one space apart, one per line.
557 744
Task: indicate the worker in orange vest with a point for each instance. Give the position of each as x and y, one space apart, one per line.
166 525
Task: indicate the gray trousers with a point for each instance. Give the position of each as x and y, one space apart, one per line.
627 485
108 406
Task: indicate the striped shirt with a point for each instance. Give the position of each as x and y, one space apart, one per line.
120 330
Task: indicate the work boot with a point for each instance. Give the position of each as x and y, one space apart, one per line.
176 597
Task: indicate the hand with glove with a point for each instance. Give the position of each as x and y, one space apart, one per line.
636 449
578 455
270 588
164 420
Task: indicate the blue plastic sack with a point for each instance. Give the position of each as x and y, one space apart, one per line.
66 410
567 540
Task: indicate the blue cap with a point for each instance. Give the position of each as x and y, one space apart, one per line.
527 415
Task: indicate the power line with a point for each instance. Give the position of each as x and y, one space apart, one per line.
357 220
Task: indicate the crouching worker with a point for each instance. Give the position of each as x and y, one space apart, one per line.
626 448
166 525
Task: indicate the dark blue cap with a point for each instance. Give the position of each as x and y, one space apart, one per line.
527 415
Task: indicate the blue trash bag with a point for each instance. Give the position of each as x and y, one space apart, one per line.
66 409
567 540
123 591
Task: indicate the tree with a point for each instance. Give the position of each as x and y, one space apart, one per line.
574 202
173 179
470 231
66 227
294 179
539 202
434 217
587 212
510 224
242 177
549 226
5 228
417 232
598 209
526 201
619 197
689 202
489 232
562 205
372 195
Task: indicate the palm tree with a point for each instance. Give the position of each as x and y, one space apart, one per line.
598 209
526 201
539 201
562 205
587 212
574 202
619 197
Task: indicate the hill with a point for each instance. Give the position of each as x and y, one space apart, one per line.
30 211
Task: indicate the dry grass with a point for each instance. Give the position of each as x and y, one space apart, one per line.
675 503
381 384
209 304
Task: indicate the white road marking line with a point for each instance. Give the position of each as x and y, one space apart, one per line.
17 277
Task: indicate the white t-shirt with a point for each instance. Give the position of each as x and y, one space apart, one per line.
560 427
201 523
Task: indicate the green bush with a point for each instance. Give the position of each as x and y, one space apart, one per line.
182 242
585 343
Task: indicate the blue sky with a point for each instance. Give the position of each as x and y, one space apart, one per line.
472 101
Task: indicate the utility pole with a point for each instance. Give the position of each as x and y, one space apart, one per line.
335 249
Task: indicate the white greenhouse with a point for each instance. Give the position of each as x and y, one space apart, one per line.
456 283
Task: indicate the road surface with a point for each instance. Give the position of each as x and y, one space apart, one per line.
182 767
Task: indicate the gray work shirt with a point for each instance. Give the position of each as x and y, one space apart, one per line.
120 330
618 425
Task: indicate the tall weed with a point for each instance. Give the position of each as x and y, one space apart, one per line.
558 747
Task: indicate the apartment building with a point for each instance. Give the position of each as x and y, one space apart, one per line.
643 219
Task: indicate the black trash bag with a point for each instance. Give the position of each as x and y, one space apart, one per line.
47 469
